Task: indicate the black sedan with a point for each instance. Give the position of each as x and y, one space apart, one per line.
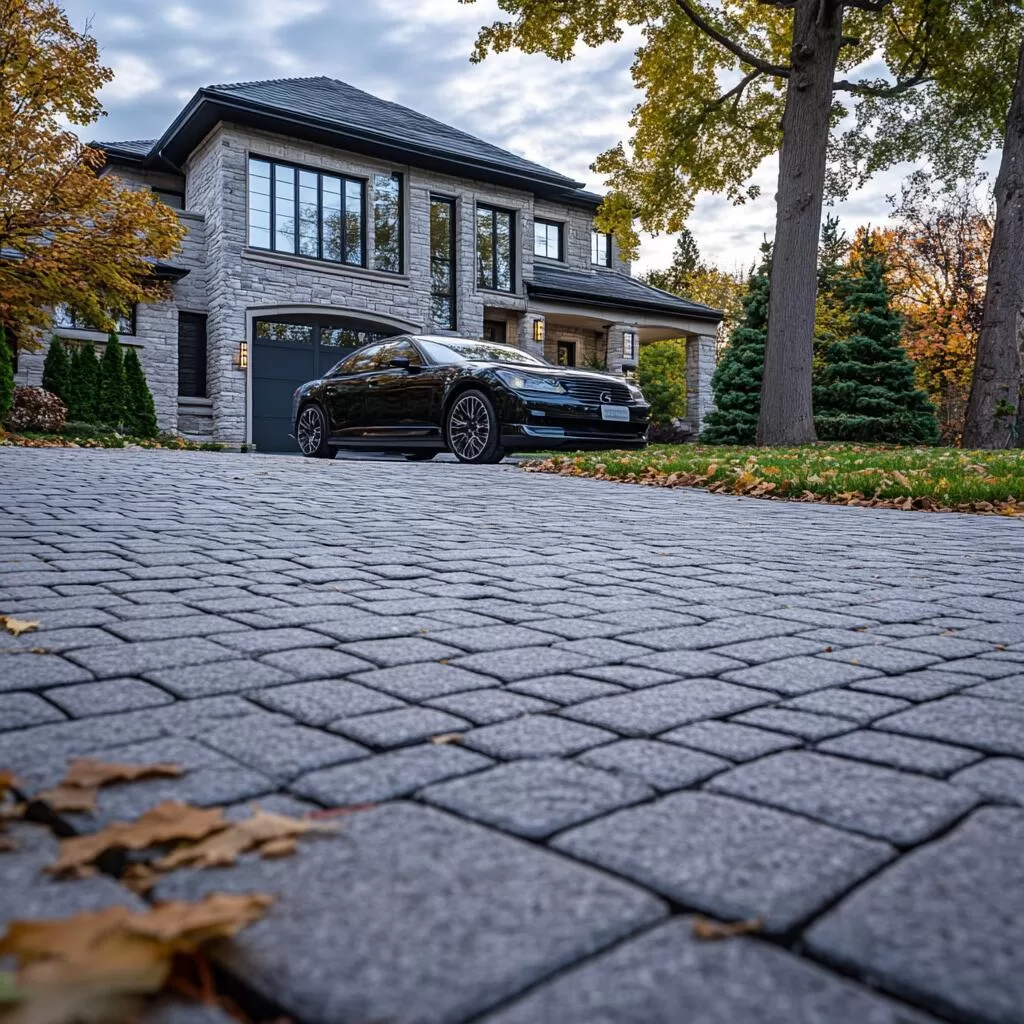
427 394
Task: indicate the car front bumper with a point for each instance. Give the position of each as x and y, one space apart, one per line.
542 422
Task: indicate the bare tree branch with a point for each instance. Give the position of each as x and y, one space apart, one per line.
745 56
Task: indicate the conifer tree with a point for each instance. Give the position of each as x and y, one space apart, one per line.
140 412
86 390
737 378
111 403
56 370
6 375
866 389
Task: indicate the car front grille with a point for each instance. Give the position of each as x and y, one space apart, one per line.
593 390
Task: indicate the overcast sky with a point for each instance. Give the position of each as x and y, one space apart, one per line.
414 52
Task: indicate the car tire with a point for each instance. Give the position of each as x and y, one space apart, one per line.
419 456
472 429
311 433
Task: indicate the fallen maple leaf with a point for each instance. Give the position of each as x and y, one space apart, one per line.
77 791
18 626
99 966
168 822
711 931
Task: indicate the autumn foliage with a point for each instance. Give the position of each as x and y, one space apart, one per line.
68 234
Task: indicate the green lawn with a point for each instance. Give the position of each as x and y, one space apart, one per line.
924 479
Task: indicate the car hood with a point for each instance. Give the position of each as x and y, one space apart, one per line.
558 372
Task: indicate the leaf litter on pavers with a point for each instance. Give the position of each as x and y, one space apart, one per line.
78 789
18 626
712 931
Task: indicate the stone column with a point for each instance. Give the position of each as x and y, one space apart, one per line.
700 365
615 341
524 335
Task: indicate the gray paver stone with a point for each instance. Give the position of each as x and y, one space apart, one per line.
18 710
397 906
484 707
523 662
121 659
36 671
422 681
400 650
993 726
859 707
667 976
566 689
729 858
928 684
807 725
535 736
661 765
634 677
727 739
400 727
315 663
897 751
944 926
217 677
537 798
324 700
1010 689
795 676
112 695
999 779
879 802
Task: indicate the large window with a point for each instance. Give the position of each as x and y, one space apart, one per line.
547 239
494 241
293 210
387 222
601 248
442 263
70 319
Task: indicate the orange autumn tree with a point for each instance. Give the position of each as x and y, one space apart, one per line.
938 256
67 235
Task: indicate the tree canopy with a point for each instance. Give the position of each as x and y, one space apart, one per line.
67 234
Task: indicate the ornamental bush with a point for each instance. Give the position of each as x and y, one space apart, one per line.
57 370
37 410
140 412
84 385
6 376
110 407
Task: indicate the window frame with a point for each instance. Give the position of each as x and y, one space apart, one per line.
607 259
298 169
560 227
78 324
451 203
372 183
494 212
629 345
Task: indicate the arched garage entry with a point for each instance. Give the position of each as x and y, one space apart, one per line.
292 347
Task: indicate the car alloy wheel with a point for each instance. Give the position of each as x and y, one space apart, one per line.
311 433
473 429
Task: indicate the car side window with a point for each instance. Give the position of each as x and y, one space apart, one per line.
393 349
364 360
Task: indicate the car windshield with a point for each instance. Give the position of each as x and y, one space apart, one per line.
459 351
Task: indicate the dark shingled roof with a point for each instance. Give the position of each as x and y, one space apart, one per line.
609 288
133 147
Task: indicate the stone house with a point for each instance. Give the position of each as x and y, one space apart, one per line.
321 218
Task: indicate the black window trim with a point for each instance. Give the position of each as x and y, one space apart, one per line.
369 199
170 192
494 211
83 325
607 261
561 239
364 184
452 203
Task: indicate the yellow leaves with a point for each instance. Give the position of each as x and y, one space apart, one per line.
85 776
97 967
18 626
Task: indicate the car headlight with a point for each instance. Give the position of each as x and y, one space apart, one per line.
635 393
527 382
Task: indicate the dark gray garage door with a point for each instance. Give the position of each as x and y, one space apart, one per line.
287 353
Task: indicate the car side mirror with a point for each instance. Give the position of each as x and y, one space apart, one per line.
400 362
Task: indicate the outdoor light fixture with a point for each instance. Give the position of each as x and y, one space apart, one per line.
242 356
538 330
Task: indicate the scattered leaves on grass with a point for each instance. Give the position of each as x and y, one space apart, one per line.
711 931
98 967
84 777
18 626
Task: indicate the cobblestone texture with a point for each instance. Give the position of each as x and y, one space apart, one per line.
647 693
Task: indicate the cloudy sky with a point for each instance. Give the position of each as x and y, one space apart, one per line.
414 52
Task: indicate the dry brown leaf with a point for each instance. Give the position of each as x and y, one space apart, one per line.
711 931
77 791
279 848
447 737
168 822
7 844
18 626
97 967
8 780
223 847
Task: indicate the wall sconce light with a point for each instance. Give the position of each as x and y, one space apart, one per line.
242 355
538 330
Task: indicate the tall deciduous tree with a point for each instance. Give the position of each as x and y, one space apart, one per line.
67 234
779 59
995 410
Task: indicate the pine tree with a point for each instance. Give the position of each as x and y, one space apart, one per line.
737 378
111 403
6 375
56 370
866 389
140 412
831 320
86 388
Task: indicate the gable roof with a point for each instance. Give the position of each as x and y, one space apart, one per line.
334 113
612 289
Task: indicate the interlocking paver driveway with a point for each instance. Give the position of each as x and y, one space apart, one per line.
672 702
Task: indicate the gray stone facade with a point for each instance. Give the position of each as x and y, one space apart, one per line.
233 283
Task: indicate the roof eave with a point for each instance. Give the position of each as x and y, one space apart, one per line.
583 299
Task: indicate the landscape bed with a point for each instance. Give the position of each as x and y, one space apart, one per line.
910 479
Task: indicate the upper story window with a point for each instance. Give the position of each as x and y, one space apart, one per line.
308 213
601 248
494 243
175 200
548 239
387 222
442 263
68 318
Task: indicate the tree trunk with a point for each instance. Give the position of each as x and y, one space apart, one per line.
995 410
786 413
